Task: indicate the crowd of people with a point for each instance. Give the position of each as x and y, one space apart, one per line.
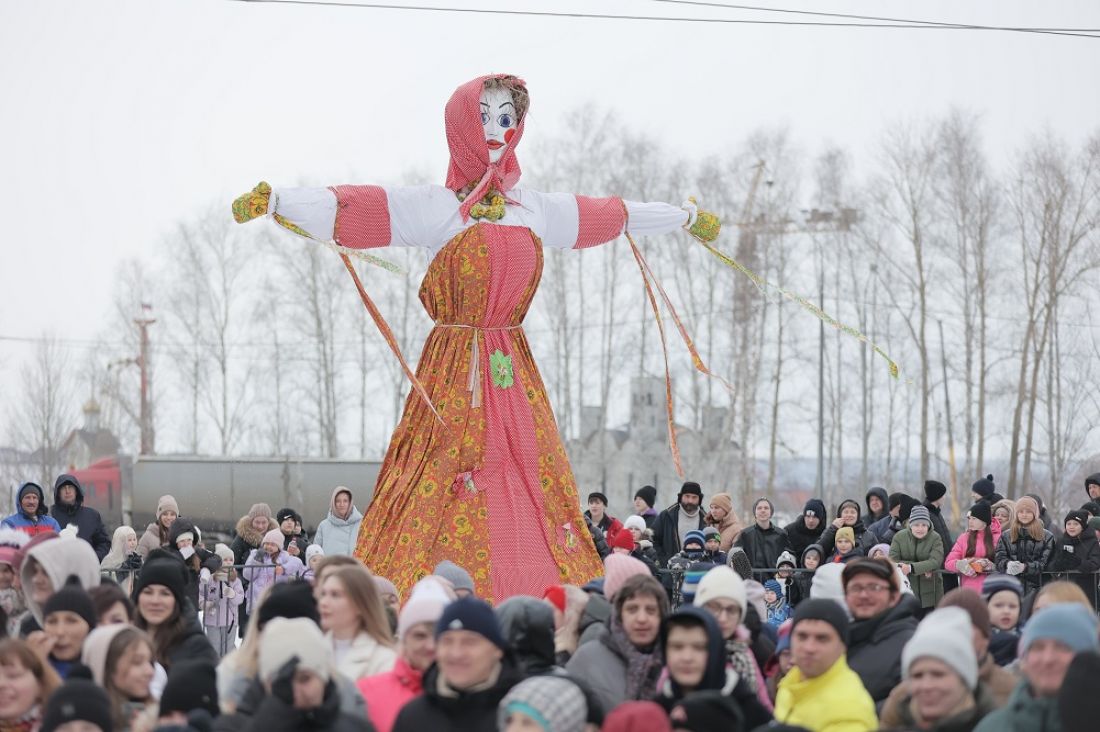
880 619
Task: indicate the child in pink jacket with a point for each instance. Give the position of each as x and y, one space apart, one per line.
267 565
972 556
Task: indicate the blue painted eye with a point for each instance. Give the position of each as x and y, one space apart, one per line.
484 118
505 120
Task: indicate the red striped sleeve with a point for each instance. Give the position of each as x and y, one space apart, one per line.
600 220
362 217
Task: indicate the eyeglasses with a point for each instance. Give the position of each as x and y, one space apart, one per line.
720 610
873 589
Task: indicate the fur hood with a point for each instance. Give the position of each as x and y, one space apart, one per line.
250 535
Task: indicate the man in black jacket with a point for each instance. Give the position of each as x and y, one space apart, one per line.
473 671
676 520
68 508
763 542
934 493
807 528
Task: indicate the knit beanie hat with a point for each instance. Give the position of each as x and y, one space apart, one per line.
1028 503
314 550
292 599
773 586
93 654
623 540
884 548
648 494
920 514
826 610
383 585
1078 702
284 638
163 569
845 533
945 635
1092 508
983 512
71 598
474 615
1094 523
597 496
828 584
635 522
425 605
459 578
934 490
709 532
895 500
815 506
984 487
273 537
995 583
192 684
167 503
721 583
692 577
225 554
637 716
786 558
285 513
723 501
1080 517
555 595
555 703
1068 623
616 569
11 541
973 604
259 509
77 700
739 560
754 595
691 488
706 711
694 537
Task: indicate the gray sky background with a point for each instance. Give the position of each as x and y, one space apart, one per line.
121 117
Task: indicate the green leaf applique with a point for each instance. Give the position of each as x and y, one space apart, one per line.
501 367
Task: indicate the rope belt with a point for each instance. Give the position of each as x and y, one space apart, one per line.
473 385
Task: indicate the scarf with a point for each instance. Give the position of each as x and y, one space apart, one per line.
642 669
740 657
28 722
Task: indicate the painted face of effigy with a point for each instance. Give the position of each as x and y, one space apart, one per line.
498 118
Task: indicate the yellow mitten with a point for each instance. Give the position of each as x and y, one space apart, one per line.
706 226
252 205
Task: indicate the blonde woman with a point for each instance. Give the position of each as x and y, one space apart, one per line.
355 623
123 557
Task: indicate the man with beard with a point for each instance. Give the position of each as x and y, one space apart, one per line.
763 542
676 520
807 528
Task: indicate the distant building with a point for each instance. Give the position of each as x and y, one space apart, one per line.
621 460
87 444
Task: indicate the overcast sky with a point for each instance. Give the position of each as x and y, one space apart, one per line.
121 117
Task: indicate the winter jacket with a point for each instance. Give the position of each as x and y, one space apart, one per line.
741 691
220 600
208 561
649 516
835 701
828 536
1081 557
246 693
609 525
926 555
150 540
338 535
959 552
260 572
598 538
88 522
386 693
875 644
964 721
1035 554
799 537
60 558
594 619
666 533
192 644
763 546
881 493
443 709
644 553
247 539
527 624
880 532
939 524
365 657
1024 713
602 669
276 715
994 689
40 523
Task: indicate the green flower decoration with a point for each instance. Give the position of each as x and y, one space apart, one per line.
501 368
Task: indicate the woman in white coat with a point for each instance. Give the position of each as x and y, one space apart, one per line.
339 531
355 623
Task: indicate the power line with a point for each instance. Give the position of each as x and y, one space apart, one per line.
913 25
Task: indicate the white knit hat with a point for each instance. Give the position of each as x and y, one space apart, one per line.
284 638
635 522
827 584
425 605
946 635
721 583
314 550
225 553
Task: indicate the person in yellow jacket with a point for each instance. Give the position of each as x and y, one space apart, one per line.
821 693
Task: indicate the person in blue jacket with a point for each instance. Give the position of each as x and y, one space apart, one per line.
68 508
32 516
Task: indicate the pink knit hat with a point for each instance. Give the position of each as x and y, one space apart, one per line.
617 569
275 537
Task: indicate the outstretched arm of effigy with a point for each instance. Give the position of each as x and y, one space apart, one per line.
354 216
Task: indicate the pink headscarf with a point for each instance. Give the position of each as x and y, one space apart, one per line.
469 153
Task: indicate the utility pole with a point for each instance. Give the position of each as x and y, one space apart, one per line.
148 437
950 432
